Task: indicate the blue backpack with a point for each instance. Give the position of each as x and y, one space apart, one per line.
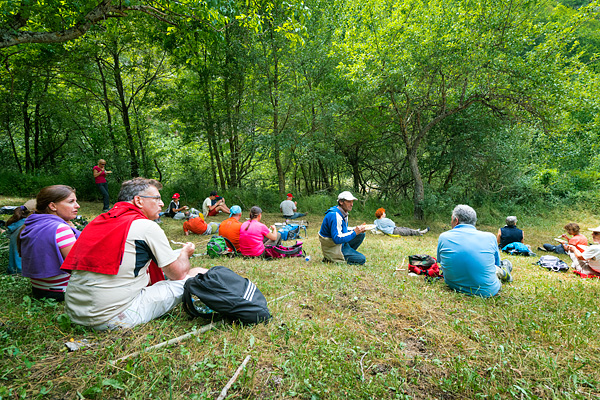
292 231
517 249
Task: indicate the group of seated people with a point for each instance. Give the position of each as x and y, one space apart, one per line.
249 238
102 273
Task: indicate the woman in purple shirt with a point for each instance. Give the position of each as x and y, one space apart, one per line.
46 240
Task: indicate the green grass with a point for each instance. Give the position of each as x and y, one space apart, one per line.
351 332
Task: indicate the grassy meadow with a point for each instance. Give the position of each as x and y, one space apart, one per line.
346 332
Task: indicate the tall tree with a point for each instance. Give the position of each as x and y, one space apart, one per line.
425 61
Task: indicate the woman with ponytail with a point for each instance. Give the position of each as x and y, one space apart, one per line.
254 235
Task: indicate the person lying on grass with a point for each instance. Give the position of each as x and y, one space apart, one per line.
195 223
109 263
388 226
587 262
469 258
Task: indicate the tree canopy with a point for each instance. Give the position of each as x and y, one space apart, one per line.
395 99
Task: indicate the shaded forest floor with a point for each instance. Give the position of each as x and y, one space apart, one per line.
351 332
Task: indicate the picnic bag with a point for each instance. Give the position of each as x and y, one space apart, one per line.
553 263
280 251
224 292
217 246
291 231
424 264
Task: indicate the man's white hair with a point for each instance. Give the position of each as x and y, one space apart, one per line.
465 214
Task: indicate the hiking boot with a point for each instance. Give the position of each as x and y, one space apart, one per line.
424 231
542 249
504 274
506 264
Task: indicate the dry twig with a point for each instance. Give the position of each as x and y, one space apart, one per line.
233 378
282 297
181 338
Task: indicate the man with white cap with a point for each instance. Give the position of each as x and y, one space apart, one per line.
588 261
337 242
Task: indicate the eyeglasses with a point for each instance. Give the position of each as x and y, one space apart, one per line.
595 233
150 197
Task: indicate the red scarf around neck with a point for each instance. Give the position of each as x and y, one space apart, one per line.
102 243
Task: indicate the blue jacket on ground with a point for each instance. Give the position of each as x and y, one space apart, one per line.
469 258
335 226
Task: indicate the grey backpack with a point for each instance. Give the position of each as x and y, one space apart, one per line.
553 263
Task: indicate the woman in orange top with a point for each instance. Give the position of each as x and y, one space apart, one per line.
577 239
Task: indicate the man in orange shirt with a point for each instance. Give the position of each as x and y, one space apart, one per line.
230 228
197 225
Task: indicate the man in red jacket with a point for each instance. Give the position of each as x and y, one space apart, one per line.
109 282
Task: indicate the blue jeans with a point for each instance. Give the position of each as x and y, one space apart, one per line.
295 215
103 187
349 250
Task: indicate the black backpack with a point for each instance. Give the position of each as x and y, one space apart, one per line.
223 291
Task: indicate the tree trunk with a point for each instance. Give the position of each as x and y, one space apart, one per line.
106 105
27 127
419 194
211 152
125 115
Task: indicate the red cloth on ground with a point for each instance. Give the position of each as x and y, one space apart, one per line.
582 275
101 244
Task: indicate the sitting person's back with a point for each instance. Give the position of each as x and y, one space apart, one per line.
230 228
509 233
469 258
254 235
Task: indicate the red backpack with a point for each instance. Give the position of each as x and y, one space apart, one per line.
424 264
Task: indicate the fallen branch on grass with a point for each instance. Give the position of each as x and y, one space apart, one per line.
233 378
282 297
181 338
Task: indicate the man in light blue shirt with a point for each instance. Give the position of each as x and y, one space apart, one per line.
469 258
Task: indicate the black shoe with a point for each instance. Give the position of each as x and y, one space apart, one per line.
542 249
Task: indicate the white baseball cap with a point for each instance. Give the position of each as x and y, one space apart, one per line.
594 229
346 196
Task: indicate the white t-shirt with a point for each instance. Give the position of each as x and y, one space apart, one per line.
207 203
287 207
92 299
592 255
